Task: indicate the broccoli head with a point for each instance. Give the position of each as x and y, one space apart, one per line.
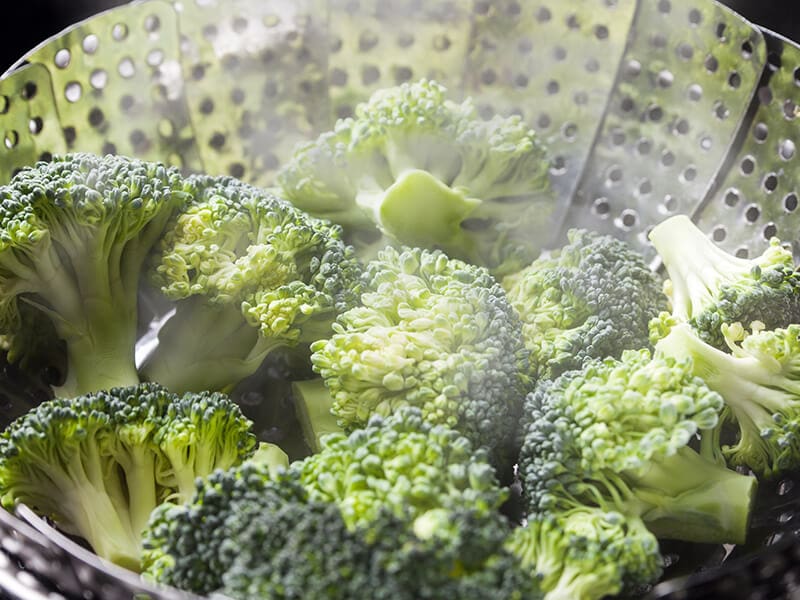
592 298
99 464
249 274
74 236
759 380
615 435
709 287
429 172
431 332
586 553
401 463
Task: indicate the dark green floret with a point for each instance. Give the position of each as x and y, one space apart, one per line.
759 380
592 298
615 435
427 171
432 332
249 274
100 463
74 236
709 288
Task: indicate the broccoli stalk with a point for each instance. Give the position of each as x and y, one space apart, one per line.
760 384
313 405
76 233
709 287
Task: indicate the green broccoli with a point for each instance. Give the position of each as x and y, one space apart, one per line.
74 236
100 463
709 287
616 435
401 463
313 406
586 553
430 172
592 298
186 545
305 550
431 332
759 380
249 274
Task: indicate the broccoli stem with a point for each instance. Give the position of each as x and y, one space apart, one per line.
689 498
417 192
696 266
313 404
206 347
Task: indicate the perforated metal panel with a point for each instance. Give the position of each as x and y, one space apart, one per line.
255 79
683 89
118 86
30 128
757 197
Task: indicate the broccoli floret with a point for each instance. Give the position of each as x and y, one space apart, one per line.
249 274
586 553
430 172
401 463
592 298
709 287
100 463
431 332
186 545
616 435
759 380
305 550
75 233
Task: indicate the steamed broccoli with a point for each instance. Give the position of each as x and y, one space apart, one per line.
431 332
430 172
592 298
759 380
249 274
100 463
616 435
586 553
709 287
74 234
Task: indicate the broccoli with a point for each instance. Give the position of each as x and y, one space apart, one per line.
616 435
429 172
249 274
586 553
99 464
709 287
759 380
431 332
401 463
592 298
313 406
74 235
305 550
186 545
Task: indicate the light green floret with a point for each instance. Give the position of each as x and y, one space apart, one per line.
710 288
430 332
417 471
586 553
429 172
616 435
99 464
74 236
759 379
249 274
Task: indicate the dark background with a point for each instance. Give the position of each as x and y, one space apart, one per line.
32 21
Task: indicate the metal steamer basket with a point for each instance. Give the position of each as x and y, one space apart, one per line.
650 108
